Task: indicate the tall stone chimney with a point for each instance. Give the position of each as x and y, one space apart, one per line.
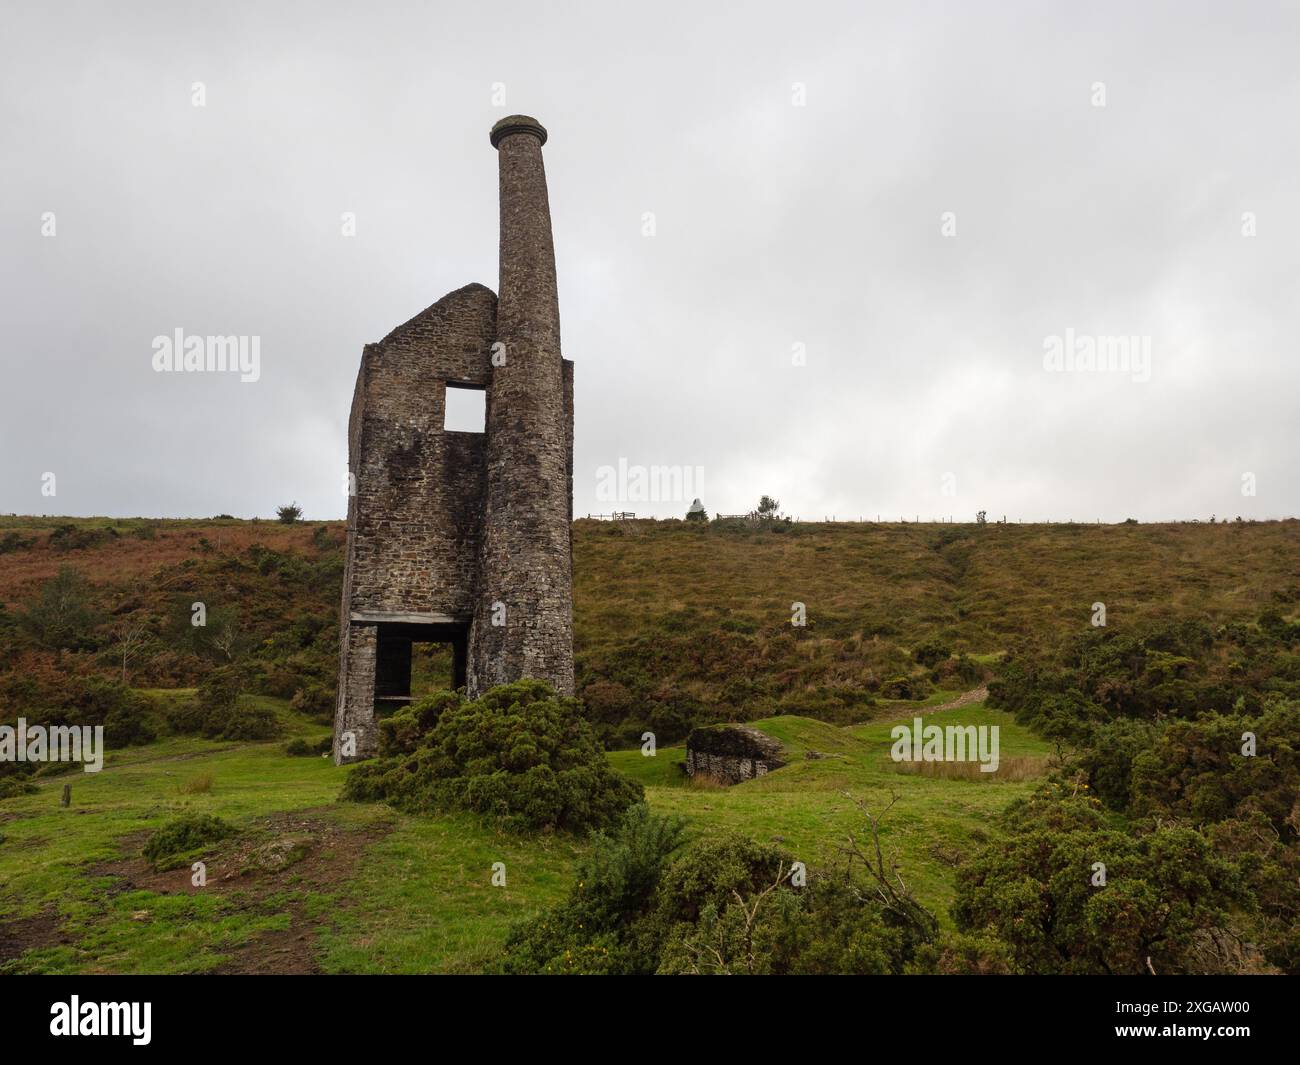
523 624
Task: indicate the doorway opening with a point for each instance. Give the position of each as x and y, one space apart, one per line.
414 660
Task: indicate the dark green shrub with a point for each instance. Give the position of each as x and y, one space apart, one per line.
959 954
404 732
1196 770
301 748
128 717
518 753
245 721
1108 758
602 926
222 712
15 785
724 905
962 670
931 653
716 869
293 669
825 928
63 615
315 701
220 690
184 716
903 687
77 538
1036 891
132 722
171 844
15 541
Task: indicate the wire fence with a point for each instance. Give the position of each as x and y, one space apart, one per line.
903 519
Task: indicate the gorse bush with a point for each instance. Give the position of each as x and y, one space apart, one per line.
11 786
1157 671
1197 770
1181 769
600 927
931 652
64 614
127 716
15 541
315 701
302 748
220 710
171 844
519 754
642 904
825 928
1165 892
71 537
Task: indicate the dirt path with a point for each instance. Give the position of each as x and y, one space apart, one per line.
975 695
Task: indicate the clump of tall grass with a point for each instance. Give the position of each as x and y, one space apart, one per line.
1012 767
196 785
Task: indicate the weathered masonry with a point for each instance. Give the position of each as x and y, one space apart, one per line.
464 537
732 754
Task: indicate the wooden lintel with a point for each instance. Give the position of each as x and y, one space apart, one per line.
376 617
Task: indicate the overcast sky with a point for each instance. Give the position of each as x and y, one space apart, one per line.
802 163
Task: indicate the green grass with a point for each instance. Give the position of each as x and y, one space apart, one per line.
424 901
421 898
48 851
805 806
672 623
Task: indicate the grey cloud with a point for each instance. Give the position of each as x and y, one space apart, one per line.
775 225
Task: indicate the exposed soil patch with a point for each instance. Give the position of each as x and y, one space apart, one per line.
284 855
44 929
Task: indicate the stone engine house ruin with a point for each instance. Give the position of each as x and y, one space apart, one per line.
464 537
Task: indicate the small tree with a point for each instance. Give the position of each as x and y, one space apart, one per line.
767 508
63 614
982 518
887 887
289 514
225 633
132 638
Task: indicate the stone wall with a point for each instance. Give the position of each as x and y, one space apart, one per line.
415 536
732 754
355 712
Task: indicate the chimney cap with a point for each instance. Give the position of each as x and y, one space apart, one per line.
517 124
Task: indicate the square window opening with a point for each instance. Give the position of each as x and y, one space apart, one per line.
466 409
